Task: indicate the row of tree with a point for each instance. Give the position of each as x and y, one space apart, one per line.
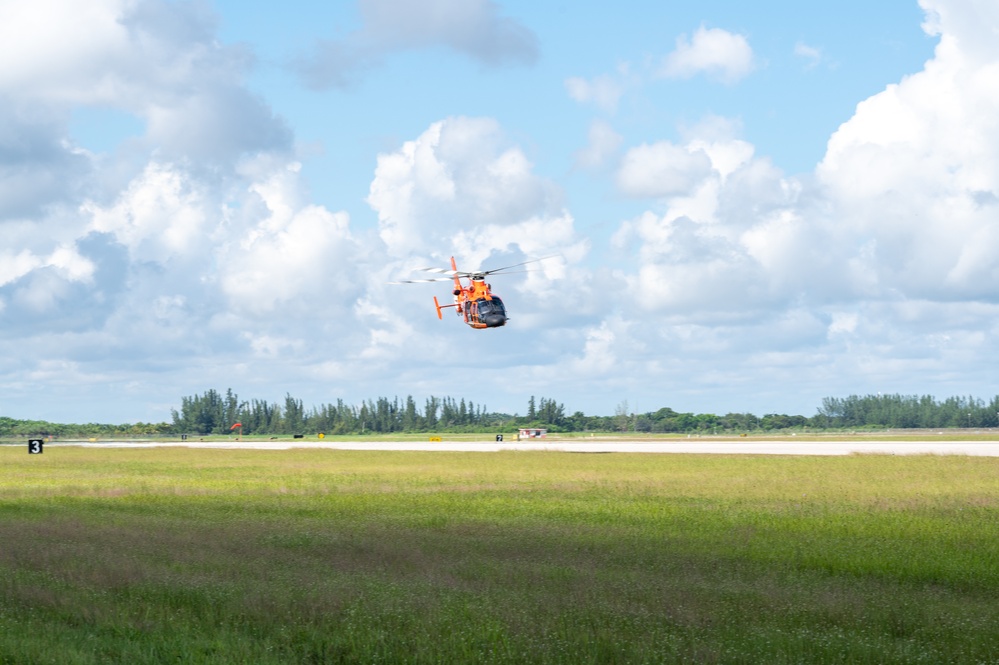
213 412
12 427
909 411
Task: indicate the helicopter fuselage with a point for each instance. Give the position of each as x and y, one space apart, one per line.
477 305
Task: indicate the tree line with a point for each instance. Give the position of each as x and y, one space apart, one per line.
214 412
13 427
909 411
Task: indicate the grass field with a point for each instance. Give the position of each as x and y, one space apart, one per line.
236 556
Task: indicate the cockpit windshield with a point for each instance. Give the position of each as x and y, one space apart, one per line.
491 307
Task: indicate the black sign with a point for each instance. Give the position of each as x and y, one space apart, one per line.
35 446
499 437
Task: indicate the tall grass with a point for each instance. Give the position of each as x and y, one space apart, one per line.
178 555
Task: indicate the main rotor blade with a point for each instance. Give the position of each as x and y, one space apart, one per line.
511 272
515 265
458 274
421 281
442 271
453 273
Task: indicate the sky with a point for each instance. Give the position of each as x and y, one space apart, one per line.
750 206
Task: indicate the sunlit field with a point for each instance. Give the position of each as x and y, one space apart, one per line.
319 556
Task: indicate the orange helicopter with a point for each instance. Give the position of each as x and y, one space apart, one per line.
475 303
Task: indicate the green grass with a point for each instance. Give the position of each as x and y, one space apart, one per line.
222 556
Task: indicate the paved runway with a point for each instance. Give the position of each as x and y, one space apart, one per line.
690 446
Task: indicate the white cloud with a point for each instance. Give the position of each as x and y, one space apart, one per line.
712 51
15 265
662 169
71 265
810 54
38 167
599 356
877 271
269 346
52 50
915 172
735 236
604 91
459 176
603 144
265 249
474 28
296 255
196 244
219 124
161 215
156 60
65 260
193 243
967 28
128 54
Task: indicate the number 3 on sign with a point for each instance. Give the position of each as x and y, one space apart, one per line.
34 446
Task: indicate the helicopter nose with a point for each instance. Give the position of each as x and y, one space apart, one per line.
494 320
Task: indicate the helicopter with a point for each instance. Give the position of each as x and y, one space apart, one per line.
475 303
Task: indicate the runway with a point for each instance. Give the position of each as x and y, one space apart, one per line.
691 446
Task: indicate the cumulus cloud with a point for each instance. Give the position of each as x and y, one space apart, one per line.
161 215
197 243
297 254
474 28
219 125
461 173
156 60
38 167
914 172
122 53
662 169
736 237
262 250
879 267
49 51
714 52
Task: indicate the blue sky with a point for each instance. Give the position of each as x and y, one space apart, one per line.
753 206
788 107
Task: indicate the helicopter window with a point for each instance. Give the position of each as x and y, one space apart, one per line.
494 306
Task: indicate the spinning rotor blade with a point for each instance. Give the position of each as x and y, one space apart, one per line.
515 265
478 274
421 281
442 271
505 270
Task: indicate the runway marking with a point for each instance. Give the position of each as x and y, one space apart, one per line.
699 447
